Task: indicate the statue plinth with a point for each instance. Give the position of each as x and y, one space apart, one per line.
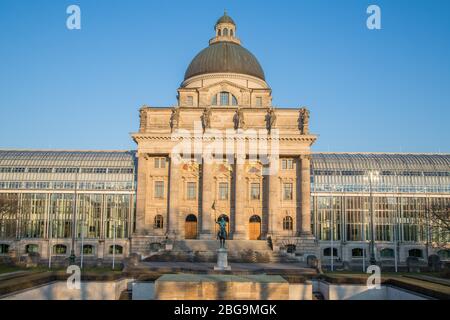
222 260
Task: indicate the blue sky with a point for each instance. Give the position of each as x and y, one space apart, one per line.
386 90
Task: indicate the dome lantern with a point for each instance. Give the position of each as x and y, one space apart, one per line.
225 30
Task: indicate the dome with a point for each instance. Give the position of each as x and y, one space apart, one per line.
225 57
225 19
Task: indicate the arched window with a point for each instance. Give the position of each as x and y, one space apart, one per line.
88 249
327 252
288 223
231 32
387 253
357 252
59 249
415 253
444 254
159 222
4 248
31 248
219 32
118 249
225 32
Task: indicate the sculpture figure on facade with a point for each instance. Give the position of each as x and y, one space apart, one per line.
142 118
304 121
206 119
238 119
271 119
175 118
222 234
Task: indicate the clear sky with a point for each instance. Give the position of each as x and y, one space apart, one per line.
368 90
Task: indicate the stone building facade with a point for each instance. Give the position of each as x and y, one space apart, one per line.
224 103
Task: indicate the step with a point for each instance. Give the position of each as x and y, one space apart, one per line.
213 245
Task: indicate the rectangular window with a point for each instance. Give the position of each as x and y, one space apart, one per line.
287 164
259 101
287 191
160 163
159 189
223 191
255 191
191 190
190 101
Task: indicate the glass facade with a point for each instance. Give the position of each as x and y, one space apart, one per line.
400 193
41 190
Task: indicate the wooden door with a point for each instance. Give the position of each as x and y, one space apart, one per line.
190 227
255 228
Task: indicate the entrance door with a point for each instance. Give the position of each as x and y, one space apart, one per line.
255 228
190 227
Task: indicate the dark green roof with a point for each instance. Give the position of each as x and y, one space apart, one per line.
224 57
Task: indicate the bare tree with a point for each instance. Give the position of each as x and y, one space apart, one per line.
439 224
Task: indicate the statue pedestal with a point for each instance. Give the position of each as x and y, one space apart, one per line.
222 260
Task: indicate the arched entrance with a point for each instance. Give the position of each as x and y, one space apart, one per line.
190 227
254 228
228 224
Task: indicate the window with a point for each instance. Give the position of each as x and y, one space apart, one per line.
327 252
223 191
191 190
88 249
234 101
387 253
190 101
31 248
444 254
288 223
59 249
415 253
159 189
224 98
259 101
219 33
287 164
287 191
116 249
160 163
231 32
4 248
357 252
225 32
159 222
254 191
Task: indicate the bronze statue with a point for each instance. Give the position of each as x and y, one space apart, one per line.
222 234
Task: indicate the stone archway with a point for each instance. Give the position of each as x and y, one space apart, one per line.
190 227
254 228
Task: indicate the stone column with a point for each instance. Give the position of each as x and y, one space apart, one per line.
207 219
274 200
174 198
240 231
140 194
305 163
